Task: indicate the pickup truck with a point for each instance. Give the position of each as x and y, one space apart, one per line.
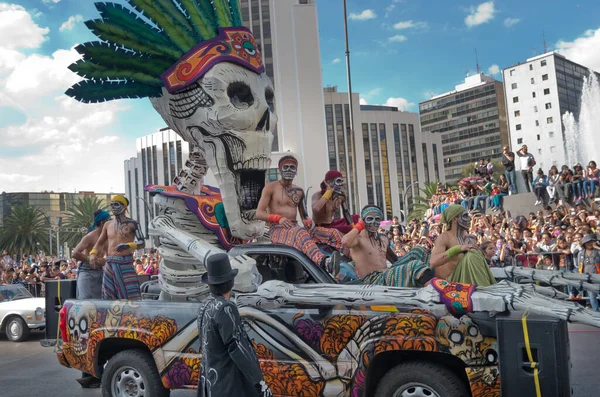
313 337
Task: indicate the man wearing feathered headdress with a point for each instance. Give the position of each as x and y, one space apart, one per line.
327 202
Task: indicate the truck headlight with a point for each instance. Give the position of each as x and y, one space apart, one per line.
39 314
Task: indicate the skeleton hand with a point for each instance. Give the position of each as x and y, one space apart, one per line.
263 390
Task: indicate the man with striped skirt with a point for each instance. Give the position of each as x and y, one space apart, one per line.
123 236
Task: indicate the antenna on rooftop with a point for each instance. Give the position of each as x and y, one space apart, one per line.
477 62
544 38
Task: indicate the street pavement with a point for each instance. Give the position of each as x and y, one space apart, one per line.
28 369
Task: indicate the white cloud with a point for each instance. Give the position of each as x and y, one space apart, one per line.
482 14
336 60
60 132
400 103
493 70
50 1
363 16
410 25
374 91
17 29
428 94
508 22
583 50
397 38
363 101
69 24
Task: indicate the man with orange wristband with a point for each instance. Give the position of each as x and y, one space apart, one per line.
329 200
371 250
284 200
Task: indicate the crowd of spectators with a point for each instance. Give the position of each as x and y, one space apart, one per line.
32 270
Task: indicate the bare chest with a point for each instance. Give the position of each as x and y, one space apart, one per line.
287 196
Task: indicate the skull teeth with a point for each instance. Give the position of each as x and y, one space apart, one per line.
257 163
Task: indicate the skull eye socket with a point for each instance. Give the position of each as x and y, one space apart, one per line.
71 323
472 330
456 337
270 98
240 95
83 325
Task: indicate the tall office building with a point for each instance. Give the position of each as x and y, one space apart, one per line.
471 121
538 93
287 34
387 159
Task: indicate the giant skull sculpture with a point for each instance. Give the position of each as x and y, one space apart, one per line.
229 114
79 322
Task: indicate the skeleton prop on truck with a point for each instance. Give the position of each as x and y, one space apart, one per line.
204 74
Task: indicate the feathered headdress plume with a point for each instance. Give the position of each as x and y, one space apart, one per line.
139 44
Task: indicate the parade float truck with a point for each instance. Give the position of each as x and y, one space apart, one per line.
318 338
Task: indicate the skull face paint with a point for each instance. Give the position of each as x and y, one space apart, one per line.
288 168
117 208
464 220
229 115
372 217
338 185
78 323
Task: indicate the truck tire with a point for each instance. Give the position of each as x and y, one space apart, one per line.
132 373
16 329
421 379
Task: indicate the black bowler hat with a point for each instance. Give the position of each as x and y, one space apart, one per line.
219 270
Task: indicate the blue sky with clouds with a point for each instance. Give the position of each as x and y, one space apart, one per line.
403 51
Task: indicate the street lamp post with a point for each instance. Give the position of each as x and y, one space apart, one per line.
404 201
49 230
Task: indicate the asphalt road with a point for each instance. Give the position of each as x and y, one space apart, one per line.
28 369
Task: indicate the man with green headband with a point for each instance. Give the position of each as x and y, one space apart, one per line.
371 250
455 256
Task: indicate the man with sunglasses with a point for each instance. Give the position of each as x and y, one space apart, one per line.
283 200
327 202
122 236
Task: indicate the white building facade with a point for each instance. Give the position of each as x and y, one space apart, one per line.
287 33
538 93
387 159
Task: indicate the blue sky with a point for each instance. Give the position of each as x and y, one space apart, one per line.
403 51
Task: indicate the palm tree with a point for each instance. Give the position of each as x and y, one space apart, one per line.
80 216
421 202
25 231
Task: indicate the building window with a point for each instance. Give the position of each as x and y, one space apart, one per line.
144 180
543 63
515 99
551 134
172 159
533 94
535 109
546 91
518 127
549 105
537 123
425 162
531 66
369 173
538 137
179 154
517 113
513 86
540 151
435 163
544 77
165 154
512 72
552 149
532 80
519 141
387 189
549 120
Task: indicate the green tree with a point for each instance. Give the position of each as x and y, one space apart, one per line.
421 202
80 216
24 229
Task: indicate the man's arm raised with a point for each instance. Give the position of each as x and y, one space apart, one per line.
350 240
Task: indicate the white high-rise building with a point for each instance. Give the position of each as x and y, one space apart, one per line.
387 159
287 34
538 93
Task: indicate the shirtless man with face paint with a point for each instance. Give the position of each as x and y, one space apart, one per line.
371 250
329 200
124 236
283 200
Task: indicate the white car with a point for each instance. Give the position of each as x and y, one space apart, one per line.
20 312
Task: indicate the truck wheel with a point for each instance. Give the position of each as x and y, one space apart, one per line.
132 373
421 379
16 329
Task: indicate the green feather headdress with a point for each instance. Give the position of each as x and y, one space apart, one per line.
138 45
